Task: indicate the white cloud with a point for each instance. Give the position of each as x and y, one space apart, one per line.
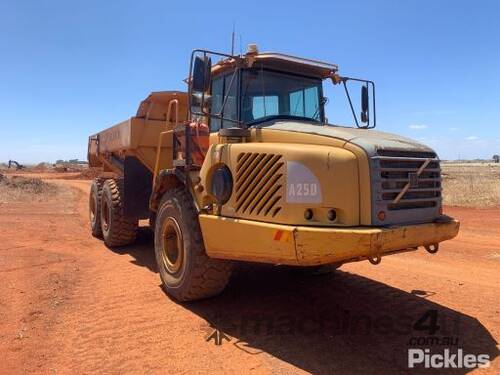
472 138
417 127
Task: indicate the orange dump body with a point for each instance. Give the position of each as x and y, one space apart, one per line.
139 136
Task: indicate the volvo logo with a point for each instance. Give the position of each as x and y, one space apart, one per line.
413 180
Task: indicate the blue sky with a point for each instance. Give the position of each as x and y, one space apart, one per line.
71 68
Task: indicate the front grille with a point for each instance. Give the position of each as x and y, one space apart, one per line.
259 184
395 169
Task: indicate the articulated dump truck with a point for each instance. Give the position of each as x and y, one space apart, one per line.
244 167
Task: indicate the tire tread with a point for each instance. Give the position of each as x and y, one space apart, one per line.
209 276
96 188
124 229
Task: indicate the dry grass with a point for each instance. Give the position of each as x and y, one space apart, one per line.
464 184
471 185
22 189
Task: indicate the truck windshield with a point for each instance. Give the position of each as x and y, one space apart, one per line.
267 94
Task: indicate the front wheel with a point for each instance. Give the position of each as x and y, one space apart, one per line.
187 273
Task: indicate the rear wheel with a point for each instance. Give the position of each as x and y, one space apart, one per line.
186 271
95 208
117 229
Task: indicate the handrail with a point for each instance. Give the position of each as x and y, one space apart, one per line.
170 103
167 129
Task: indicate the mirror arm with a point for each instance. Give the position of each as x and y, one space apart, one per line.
350 103
336 79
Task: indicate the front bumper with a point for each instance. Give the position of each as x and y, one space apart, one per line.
237 239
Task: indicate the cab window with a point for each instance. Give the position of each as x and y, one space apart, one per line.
222 87
304 103
263 106
217 99
266 94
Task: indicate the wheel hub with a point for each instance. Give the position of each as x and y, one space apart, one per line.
173 249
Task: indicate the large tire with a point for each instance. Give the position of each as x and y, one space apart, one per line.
95 208
186 271
117 229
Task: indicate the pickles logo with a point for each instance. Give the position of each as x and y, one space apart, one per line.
447 359
426 358
302 186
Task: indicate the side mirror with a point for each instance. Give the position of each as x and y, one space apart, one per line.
202 70
364 104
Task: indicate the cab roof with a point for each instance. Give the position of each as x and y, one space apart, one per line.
277 61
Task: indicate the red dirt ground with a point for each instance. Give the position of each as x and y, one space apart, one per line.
68 304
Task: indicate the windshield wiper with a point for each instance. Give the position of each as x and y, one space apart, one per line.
281 116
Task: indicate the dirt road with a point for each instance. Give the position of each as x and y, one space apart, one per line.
68 304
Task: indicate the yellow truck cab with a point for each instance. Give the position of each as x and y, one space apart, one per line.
245 167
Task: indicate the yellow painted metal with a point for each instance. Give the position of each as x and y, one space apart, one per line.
335 168
341 168
239 239
297 139
173 250
300 245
